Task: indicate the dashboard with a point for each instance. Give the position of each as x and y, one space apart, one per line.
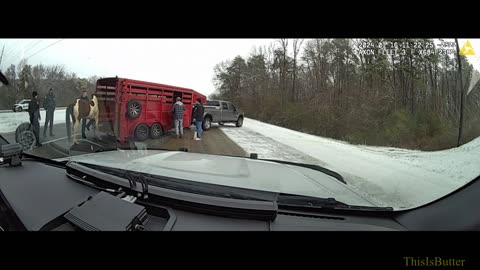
40 195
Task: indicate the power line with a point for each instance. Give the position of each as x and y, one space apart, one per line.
14 57
23 50
11 49
43 49
31 45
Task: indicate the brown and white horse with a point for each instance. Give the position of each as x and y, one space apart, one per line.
81 109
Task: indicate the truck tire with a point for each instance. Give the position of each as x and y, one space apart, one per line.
134 109
207 123
141 132
239 122
156 131
19 109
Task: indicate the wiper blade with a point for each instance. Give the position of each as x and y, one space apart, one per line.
60 164
133 178
311 166
108 148
214 205
145 180
322 203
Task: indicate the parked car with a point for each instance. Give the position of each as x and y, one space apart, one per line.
219 111
21 106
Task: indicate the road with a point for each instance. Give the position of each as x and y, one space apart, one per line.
214 141
41 109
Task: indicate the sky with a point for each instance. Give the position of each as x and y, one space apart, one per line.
182 62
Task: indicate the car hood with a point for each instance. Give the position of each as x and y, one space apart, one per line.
228 171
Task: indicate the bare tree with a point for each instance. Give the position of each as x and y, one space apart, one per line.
283 67
297 44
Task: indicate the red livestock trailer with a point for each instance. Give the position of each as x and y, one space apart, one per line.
132 109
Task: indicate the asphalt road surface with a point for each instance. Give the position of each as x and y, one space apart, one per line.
214 141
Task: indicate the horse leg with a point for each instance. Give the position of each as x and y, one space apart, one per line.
75 127
96 122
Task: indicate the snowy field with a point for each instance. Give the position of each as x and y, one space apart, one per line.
10 120
386 176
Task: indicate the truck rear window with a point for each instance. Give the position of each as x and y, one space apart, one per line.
212 103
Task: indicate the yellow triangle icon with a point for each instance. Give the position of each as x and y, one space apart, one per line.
467 49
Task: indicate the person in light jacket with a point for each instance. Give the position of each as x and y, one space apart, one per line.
178 110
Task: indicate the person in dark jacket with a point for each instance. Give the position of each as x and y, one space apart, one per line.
34 113
178 109
198 112
49 104
84 96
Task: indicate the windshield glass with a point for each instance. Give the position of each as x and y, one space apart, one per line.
398 119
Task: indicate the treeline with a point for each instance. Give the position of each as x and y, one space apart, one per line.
25 78
334 88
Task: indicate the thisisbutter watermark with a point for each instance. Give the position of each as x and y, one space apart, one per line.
433 261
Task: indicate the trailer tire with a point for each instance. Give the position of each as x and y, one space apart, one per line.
141 132
25 136
134 109
156 131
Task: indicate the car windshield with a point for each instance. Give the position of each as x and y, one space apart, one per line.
398 119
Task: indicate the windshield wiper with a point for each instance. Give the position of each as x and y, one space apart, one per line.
133 179
234 204
3 79
109 148
289 200
311 166
145 179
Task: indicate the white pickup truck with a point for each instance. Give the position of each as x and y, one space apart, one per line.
219 111
21 106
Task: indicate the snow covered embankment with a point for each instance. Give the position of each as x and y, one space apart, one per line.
386 176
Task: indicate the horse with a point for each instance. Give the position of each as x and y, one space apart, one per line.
79 110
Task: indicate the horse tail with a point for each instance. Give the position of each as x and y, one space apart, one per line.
68 116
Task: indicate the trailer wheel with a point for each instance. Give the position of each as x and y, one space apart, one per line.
207 123
25 136
156 131
134 109
141 132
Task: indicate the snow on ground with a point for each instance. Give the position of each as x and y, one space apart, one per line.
386 176
9 121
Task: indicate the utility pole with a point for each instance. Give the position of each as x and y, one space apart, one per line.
1 56
460 126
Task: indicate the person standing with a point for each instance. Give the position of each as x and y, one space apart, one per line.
49 104
198 112
34 113
178 110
